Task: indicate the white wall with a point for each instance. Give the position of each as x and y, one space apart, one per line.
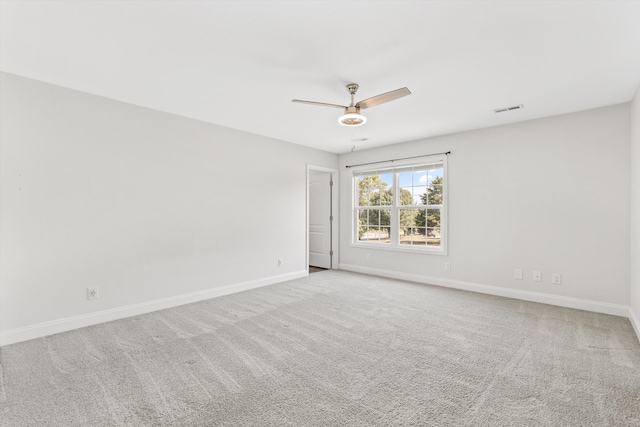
549 195
635 212
146 205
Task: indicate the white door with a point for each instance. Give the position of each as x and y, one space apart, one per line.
320 219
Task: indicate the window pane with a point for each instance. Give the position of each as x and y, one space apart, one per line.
386 197
373 225
385 217
433 217
435 176
375 235
410 232
374 197
405 179
385 235
413 185
407 218
375 190
406 198
414 237
363 222
363 234
363 191
381 197
419 195
433 236
434 195
387 180
421 218
374 217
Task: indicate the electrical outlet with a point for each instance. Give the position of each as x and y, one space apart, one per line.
447 266
537 276
556 278
517 274
92 293
280 261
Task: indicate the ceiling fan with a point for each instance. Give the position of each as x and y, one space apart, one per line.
352 116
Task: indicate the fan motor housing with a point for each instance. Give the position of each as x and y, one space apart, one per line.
352 117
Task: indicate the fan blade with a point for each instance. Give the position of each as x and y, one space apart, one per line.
320 104
382 98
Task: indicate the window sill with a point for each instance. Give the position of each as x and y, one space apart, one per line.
380 247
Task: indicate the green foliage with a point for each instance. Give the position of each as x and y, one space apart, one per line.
405 197
407 216
372 191
369 188
381 218
433 196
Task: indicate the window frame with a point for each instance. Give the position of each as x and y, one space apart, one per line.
395 168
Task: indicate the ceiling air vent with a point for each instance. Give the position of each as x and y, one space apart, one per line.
514 107
505 109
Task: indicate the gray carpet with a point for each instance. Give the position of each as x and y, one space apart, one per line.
332 349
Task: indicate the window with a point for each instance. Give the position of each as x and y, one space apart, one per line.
401 207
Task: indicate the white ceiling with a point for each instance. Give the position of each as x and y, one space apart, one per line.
239 63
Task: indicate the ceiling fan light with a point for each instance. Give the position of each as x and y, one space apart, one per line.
352 119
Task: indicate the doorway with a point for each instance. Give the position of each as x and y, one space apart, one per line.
321 224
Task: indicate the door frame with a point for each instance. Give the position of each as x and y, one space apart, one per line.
334 213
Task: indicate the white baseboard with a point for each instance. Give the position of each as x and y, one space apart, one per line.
635 322
39 330
569 302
